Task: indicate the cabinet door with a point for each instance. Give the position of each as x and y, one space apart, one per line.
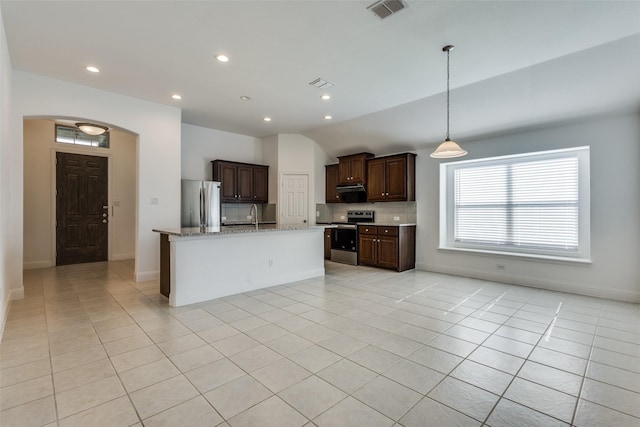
331 180
244 183
376 180
260 184
358 167
396 178
344 171
388 252
227 177
367 249
327 243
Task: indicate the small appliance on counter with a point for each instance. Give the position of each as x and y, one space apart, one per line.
200 204
344 239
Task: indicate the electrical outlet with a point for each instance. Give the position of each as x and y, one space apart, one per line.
396 218
155 201
224 218
342 217
249 217
270 262
500 267
317 214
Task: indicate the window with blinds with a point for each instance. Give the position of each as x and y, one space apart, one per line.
536 203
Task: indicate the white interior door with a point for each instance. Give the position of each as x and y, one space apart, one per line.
294 199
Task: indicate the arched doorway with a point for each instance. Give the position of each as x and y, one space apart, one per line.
40 210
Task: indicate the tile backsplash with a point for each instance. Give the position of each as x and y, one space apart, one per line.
385 212
237 213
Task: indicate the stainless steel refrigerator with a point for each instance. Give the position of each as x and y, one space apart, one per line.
200 203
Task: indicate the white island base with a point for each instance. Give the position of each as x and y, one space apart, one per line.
212 265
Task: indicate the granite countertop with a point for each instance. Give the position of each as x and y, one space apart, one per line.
376 224
242 223
389 224
233 229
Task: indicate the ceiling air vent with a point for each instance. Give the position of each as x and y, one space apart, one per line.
384 8
321 84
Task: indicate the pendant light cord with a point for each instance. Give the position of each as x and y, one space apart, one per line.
448 51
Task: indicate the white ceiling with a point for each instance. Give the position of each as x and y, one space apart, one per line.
516 63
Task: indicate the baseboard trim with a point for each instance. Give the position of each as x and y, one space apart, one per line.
5 316
573 288
37 264
17 293
121 257
147 275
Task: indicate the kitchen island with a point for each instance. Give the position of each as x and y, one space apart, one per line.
199 264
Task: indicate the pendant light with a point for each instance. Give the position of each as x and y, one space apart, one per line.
448 149
92 129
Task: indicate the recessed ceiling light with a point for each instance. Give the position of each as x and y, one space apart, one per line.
222 58
93 69
326 97
267 119
245 98
328 117
176 96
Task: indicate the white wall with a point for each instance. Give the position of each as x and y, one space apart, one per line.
615 211
10 184
158 151
202 145
270 157
39 183
321 159
296 154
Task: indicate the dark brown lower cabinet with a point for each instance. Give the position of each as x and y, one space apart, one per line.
327 243
392 247
165 265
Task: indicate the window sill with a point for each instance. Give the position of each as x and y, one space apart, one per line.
532 257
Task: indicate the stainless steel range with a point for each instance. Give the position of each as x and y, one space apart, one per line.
344 239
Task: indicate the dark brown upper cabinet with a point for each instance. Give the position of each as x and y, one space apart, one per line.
352 169
241 182
392 178
331 180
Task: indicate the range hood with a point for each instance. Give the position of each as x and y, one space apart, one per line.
352 193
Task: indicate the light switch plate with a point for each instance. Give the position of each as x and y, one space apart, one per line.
396 218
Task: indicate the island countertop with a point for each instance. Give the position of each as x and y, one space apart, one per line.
233 229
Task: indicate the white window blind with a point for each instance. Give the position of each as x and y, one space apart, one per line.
535 203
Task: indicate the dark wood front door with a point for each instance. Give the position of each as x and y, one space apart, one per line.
81 208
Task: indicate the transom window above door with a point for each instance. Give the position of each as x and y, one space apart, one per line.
74 136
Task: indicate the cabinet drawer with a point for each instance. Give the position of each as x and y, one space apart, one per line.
367 229
388 231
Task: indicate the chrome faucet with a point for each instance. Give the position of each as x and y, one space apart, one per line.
254 207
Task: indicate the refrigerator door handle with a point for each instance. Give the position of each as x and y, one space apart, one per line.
202 207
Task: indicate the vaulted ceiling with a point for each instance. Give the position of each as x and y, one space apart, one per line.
516 63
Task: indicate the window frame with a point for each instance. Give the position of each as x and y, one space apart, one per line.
94 140
447 206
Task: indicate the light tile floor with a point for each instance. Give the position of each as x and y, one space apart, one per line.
87 346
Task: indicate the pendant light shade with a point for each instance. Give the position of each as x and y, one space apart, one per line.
448 149
92 129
